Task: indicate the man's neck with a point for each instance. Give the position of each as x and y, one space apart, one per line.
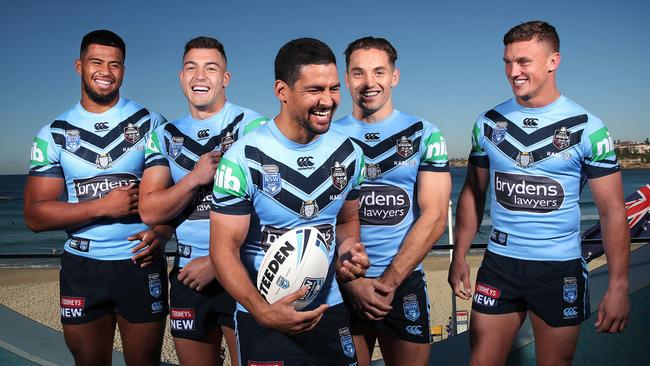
372 117
205 113
94 107
293 131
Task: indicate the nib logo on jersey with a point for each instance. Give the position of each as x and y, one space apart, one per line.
486 295
182 319
201 204
528 193
72 307
382 204
101 185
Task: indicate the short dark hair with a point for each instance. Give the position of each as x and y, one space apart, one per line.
367 43
541 30
299 52
105 38
205 42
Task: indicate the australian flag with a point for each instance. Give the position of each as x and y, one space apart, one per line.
637 206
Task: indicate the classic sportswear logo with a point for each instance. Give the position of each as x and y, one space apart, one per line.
570 313
101 126
203 134
414 329
39 152
101 185
371 136
528 193
602 146
304 162
381 204
530 122
229 179
436 148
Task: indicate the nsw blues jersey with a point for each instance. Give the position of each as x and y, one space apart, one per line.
179 145
94 154
538 160
285 185
395 149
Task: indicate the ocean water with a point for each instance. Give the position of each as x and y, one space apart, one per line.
15 237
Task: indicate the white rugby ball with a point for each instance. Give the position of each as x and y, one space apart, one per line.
299 257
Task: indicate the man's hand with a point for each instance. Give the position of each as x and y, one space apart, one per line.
613 311
282 316
197 273
369 297
152 243
120 202
352 264
205 168
458 278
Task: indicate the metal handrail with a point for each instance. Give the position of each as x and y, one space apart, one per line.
172 253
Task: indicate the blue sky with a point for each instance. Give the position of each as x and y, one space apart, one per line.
449 55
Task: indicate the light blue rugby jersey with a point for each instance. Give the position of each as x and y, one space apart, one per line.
395 149
284 185
179 145
539 159
94 154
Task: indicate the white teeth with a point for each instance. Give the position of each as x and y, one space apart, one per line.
321 113
370 93
519 81
103 82
200 88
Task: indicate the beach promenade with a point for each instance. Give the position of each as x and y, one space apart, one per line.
33 292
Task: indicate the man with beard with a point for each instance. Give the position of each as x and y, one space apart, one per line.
281 177
113 270
181 160
403 212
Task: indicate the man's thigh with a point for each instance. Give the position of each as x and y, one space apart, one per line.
329 343
195 314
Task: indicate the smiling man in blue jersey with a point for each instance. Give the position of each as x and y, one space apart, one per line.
112 270
181 160
535 152
403 208
290 173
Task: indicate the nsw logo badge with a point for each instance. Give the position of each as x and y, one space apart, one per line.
271 179
72 140
155 285
411 308
346 342
176 146
499 132
570 289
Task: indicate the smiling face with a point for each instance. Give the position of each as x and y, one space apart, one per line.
530 68
101 69
310 102
370 78
204 79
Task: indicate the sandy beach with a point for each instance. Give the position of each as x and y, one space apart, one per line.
34 292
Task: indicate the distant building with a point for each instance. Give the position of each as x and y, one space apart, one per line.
631 147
